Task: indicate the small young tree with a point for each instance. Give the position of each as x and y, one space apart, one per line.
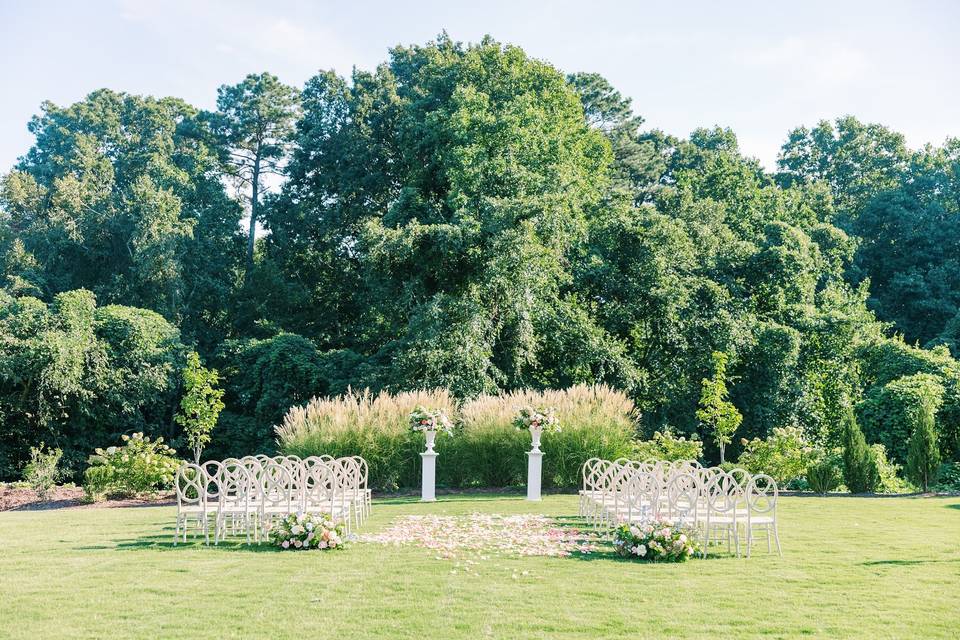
859 465
716 412
201 404
923 455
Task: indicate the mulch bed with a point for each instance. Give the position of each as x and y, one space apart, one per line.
14 498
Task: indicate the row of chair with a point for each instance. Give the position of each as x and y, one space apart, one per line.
247 495
713 502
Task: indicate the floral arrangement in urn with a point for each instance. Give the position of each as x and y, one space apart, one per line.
656 540
307 531
423 419
537 418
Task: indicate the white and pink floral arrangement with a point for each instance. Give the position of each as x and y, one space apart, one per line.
537 418
307 531
656 540
423 419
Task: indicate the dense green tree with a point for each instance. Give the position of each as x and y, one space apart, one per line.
254 123
120 195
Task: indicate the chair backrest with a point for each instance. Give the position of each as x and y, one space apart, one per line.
237 483
189 484
278 486
683 495
643 495
762 494
213 481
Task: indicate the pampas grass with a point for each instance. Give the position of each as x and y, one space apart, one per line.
486 450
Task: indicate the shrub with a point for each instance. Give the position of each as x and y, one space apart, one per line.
949 477
42 472
665 446
784 455
823 476
859 461
140 466
888 473
890 414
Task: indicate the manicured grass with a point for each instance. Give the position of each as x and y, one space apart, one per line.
852 567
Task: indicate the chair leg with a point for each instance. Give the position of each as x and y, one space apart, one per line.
776 537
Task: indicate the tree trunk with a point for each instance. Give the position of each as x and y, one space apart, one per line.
722 447
254 206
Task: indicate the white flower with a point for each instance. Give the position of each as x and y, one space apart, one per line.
634 531
641 550
296 529
309 526
682 538
297 544
285 544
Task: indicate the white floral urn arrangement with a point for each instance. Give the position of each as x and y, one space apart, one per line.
536 420
429 421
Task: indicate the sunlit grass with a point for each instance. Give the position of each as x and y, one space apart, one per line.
852 567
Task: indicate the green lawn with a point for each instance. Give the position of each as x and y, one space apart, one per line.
852 567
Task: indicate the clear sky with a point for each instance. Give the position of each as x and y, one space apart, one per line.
761 68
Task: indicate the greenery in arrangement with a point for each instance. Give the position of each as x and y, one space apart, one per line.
659 540
923 455
139 466
303 531
201 404
42 472
465 217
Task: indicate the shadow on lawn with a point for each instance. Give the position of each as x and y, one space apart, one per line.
875 563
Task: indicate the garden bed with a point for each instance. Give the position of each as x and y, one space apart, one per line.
14 497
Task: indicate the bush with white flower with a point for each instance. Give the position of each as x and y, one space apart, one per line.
423 419
543 417
657 540
307 531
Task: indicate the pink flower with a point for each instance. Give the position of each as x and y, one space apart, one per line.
285 544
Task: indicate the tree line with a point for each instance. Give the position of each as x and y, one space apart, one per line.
467 217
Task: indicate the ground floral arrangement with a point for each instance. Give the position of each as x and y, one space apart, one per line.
657 540
478 536
307 531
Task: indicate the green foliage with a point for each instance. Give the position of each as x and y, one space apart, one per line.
79 374
42 472
716 413
824 475
785 455
923 454
889 473
664 445
201 404
948 478
891 413
860 472
139 466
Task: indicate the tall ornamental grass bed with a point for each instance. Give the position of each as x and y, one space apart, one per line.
486 450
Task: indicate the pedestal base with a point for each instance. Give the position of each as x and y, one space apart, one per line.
429 477
534 472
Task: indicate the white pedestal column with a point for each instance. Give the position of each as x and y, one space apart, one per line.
429 477
534 471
